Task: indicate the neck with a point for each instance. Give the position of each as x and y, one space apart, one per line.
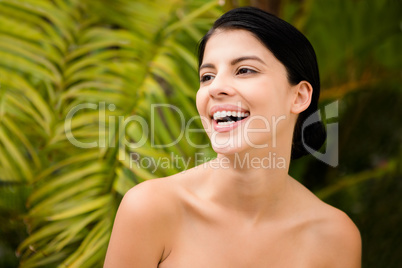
252 184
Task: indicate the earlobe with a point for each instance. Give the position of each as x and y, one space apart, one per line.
302 97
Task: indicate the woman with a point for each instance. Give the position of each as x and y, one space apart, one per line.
258 83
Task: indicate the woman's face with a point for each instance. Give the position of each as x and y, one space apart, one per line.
244 98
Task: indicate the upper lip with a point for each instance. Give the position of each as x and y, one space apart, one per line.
226 107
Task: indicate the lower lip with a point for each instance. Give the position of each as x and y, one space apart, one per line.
226 128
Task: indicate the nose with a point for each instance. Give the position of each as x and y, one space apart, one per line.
220 87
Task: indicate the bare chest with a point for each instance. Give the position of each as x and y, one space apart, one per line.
204 244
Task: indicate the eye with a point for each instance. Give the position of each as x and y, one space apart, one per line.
245 71
206 78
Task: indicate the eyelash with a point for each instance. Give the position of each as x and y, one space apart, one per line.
248 71
203 78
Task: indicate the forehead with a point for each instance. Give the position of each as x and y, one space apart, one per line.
232 43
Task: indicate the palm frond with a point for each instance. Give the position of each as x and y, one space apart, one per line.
96 64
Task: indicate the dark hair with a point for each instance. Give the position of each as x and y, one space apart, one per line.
293 50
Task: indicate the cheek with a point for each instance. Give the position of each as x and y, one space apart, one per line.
201 102
269 99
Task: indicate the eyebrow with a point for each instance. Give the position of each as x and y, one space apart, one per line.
235 61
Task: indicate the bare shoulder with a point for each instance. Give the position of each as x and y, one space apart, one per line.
154 200
330 236
152 195
164 196
334 239
143 225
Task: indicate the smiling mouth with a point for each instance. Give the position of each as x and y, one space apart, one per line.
225 118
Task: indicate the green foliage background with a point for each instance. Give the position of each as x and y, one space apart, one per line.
58 201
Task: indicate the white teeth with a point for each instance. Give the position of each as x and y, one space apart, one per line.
222 114
225 123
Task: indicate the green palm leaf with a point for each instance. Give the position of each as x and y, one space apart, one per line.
119 58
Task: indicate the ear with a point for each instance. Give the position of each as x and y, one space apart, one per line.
302 97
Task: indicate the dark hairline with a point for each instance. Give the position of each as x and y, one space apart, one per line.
222 28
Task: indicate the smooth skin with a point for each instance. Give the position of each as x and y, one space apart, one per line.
223 215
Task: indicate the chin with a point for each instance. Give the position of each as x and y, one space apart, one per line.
229 149
224 150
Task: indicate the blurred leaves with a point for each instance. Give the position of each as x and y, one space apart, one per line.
81 74
357 45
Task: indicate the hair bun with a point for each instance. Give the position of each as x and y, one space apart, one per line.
314 136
